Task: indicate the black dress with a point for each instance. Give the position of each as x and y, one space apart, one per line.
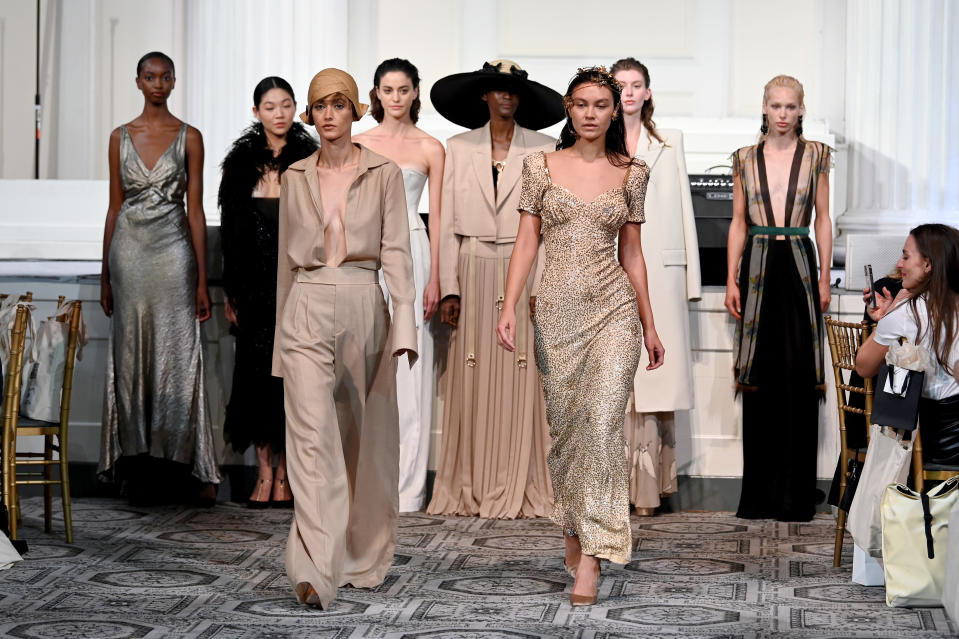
779 341
249 232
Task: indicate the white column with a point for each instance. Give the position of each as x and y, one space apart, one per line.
902 115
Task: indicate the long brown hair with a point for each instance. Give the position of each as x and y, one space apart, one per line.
386 66
939 244
646 114
616 151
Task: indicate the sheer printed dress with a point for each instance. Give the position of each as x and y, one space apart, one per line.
779 341
587 339
155 398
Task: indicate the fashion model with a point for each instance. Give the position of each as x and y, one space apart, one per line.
395 104
672 263
249 200
492 460
153 286
592 317
778 301
342 218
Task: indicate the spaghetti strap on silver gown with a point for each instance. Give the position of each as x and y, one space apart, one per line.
155 400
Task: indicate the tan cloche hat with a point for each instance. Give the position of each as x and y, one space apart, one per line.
330 81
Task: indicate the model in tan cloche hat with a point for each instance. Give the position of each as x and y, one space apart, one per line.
326 83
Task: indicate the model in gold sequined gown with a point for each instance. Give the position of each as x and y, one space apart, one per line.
588 340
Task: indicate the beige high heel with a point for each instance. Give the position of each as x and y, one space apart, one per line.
586 600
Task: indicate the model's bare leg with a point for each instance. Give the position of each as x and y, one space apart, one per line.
573 553
282 494
261 491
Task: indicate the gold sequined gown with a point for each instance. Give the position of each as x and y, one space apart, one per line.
588 340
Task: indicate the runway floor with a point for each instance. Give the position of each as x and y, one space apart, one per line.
182 572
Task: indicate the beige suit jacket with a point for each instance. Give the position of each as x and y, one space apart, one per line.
471 206
671 250
377 236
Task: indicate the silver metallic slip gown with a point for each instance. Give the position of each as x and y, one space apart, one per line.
155 398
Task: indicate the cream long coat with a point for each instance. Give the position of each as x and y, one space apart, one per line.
671 249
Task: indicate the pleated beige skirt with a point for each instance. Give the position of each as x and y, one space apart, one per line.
495 438
651 439
342 434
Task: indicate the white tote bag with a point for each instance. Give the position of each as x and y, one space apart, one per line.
43 377
887 462
8 317
950 589
915 532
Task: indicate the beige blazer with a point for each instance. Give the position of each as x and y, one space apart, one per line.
671 250
471 206
377 235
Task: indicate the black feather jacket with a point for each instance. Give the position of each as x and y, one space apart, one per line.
249 236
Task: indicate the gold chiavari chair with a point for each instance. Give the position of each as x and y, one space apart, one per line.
922 471
55 438
845 338
11 407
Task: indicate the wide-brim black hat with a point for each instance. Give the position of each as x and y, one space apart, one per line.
457 97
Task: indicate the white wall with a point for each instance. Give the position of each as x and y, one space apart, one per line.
708 58
17 82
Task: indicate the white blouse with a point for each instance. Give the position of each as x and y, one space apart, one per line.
901 322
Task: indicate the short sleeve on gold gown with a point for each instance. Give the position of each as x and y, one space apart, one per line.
588 337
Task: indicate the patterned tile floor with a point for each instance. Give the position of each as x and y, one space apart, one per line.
181 572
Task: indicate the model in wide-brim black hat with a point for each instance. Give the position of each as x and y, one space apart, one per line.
457 97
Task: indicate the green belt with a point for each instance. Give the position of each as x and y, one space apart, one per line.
779 230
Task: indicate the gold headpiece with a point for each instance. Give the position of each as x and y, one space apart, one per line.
597 75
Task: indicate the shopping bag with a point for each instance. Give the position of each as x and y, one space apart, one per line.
915 530
43 377
866 569
8 317
887 462
950 588
896 397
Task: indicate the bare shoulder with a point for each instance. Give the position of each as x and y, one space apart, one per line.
369 134
432 147
193 135
562 156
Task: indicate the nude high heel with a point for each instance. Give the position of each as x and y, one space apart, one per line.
586 600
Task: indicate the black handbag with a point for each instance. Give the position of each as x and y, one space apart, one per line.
895 410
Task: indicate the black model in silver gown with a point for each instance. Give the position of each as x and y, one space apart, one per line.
155 400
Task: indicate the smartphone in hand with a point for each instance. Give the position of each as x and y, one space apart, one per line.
872 285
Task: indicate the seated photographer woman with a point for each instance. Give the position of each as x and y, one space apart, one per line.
925 312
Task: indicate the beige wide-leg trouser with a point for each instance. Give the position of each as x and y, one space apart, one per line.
342 439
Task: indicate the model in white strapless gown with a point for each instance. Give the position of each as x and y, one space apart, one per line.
414 386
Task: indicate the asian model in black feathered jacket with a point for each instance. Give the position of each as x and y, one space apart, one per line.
248 232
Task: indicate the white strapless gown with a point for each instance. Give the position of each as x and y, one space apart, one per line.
414 386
